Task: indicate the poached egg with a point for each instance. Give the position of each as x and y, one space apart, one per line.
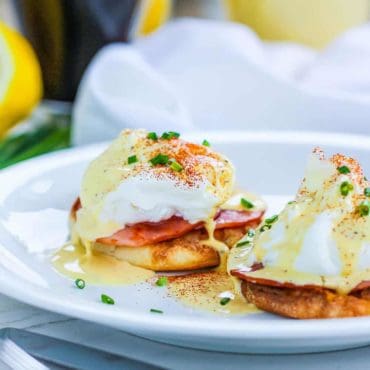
144 178
321 238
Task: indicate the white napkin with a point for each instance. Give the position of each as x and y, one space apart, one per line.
202 74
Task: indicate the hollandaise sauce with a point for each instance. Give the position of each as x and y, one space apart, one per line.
73 261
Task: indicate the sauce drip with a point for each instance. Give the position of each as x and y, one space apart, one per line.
76 261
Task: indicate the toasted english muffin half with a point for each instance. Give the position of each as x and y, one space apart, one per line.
307 303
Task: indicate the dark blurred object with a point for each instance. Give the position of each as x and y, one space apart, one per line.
66 34
46 130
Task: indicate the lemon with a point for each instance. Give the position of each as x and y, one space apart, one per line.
311 22
153 14
20 78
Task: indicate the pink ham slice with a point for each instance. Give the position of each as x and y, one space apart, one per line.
244 275
146 233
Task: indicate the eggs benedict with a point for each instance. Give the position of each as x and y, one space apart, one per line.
161 203
313 259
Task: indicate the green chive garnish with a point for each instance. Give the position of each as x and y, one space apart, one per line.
176 166
367 192
246 203
364 208
365 178
206 143
343 170
242 244
292 202
80 283
271 220
159 159
224 301
152 136
345 188
170 135
162 281
106 299
154 310
265 227
132 159
251 233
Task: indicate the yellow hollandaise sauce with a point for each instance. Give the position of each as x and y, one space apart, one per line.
211 291
73 261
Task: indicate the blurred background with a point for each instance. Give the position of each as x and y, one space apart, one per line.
278 64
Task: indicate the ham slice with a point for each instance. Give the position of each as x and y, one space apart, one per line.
244 275
227 218
361 286
146 233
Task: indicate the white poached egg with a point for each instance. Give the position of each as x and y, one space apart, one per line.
322 238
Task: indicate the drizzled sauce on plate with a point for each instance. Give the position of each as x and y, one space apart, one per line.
202 291
97 268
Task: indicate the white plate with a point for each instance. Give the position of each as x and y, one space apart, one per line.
36 196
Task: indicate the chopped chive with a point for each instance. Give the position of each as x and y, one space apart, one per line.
367 192
176 166
152 136
80 283
170 135
162 281
224 301
206 143
106 299
343 170
154 310
174 134
246 203
159 159
265 227
345 188
365 178
292 202
271 219
132 159
243 243
364 208
251 233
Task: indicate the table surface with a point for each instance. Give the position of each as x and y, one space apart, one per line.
20 315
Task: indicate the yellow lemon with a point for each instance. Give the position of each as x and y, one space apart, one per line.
152 15
20 78
311 22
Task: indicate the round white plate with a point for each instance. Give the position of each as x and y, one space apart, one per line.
35 197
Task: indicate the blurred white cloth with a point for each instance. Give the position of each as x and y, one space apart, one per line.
201 74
